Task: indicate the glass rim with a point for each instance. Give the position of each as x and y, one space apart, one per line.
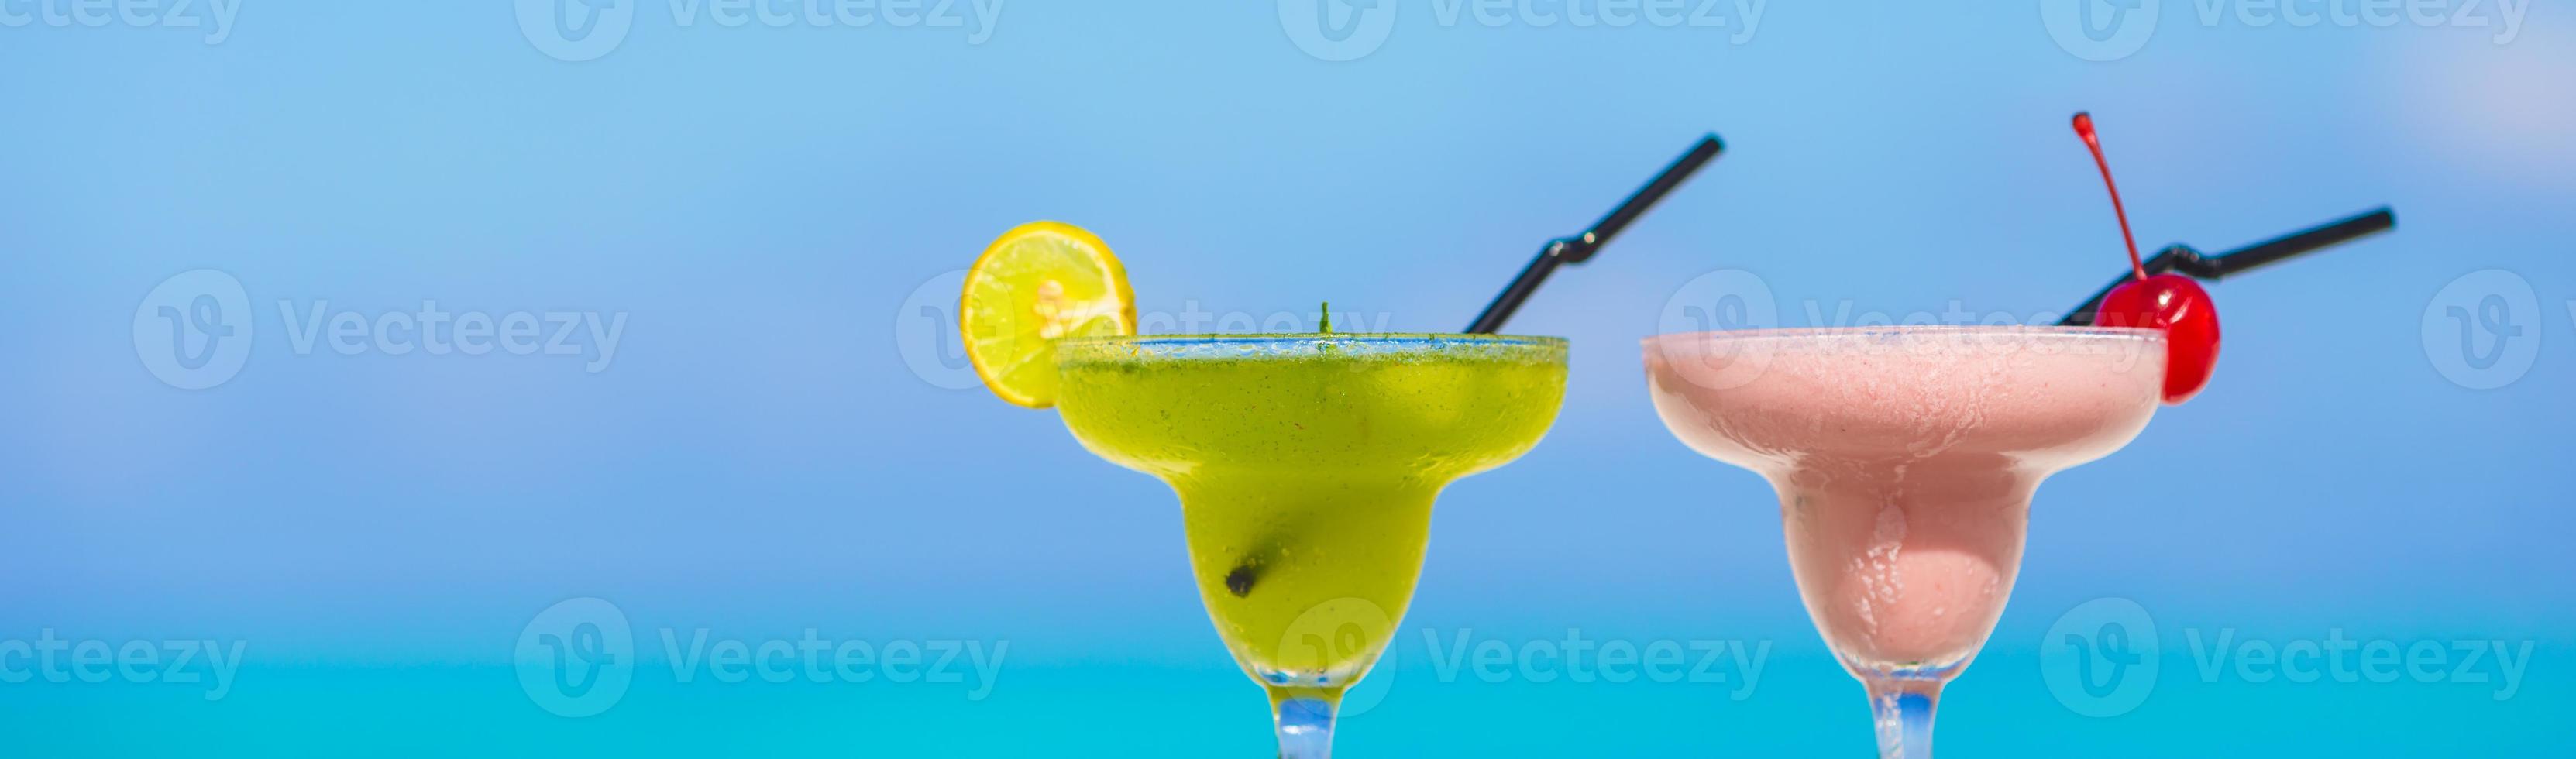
2049 331
1296 345
1311 338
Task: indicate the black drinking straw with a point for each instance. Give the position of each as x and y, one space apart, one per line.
2183 259
1577 248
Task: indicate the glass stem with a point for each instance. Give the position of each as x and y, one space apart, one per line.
1305 720
1903 709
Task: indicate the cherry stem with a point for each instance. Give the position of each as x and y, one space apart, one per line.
2093 142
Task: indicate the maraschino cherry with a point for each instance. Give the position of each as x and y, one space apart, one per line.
2170 302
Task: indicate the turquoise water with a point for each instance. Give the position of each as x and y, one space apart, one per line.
1800 706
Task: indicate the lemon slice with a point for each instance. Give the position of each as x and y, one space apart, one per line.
1038 282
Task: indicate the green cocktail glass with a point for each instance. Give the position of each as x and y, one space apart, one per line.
1306 467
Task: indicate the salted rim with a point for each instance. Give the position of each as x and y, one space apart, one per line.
1294 345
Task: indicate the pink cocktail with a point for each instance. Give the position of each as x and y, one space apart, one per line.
1905 459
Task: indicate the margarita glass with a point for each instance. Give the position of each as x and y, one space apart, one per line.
1905 459
1306 466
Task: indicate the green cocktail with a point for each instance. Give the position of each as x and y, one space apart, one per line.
1306 467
